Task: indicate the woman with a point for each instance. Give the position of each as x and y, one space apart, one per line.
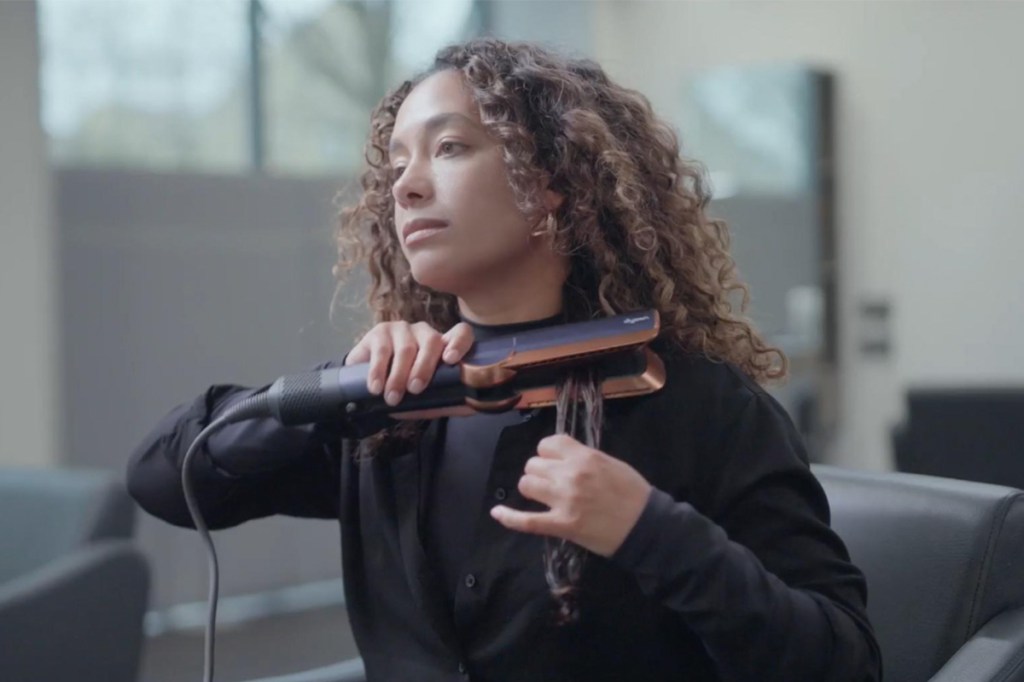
510 188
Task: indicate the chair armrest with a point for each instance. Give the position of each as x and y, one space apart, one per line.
994 654
76 618
347 671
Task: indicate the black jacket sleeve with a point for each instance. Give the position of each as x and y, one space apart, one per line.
750 562
246 470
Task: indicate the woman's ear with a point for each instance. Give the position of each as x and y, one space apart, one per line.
546 223
552 200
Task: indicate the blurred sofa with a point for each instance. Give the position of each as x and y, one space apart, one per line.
73 588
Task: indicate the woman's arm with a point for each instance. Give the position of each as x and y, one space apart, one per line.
757 572
258 467
748 561
247 470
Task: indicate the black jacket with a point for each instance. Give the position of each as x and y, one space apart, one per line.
732 572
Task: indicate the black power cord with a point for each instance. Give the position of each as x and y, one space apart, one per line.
253 406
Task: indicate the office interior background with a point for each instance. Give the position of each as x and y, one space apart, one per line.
168 181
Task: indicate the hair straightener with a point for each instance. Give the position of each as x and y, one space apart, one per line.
517 371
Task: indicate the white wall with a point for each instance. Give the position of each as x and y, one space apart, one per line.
930 166
29 423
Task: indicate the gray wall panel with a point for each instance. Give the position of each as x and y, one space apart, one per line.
172 283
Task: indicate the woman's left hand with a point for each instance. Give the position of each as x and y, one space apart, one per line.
594 499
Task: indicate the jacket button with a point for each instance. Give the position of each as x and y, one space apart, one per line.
462 668
500 494
470 580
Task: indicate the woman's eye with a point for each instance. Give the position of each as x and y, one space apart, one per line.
397 171
449 147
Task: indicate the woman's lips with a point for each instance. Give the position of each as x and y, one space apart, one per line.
421 229
422 235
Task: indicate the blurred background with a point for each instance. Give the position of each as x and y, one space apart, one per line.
168 178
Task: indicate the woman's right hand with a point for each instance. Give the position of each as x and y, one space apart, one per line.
413 352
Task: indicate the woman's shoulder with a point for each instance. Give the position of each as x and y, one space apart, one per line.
693 375
742 428
718 396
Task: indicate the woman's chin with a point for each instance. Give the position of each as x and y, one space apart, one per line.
437 276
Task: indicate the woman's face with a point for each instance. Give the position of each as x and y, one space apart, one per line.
455 213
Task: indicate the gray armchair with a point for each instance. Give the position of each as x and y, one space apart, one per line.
73 589
944 561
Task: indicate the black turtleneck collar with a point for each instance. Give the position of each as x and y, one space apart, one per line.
488 331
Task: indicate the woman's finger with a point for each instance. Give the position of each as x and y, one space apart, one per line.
359 353
559 446
405 349
545 468
539 489
427 357
537 523
458 341
379 342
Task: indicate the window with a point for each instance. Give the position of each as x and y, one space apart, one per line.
145 84
230 85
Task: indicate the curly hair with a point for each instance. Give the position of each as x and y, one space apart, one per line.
633 220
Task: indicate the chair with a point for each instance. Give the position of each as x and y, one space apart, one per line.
73 589
974 434
944 561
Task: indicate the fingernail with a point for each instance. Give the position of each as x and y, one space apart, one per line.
449 355
376 386
392 398
416 385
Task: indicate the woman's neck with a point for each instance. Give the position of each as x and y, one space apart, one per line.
524 292
526 309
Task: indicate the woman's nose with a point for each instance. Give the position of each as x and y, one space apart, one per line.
414 186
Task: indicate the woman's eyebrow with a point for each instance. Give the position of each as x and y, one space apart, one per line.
432 125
